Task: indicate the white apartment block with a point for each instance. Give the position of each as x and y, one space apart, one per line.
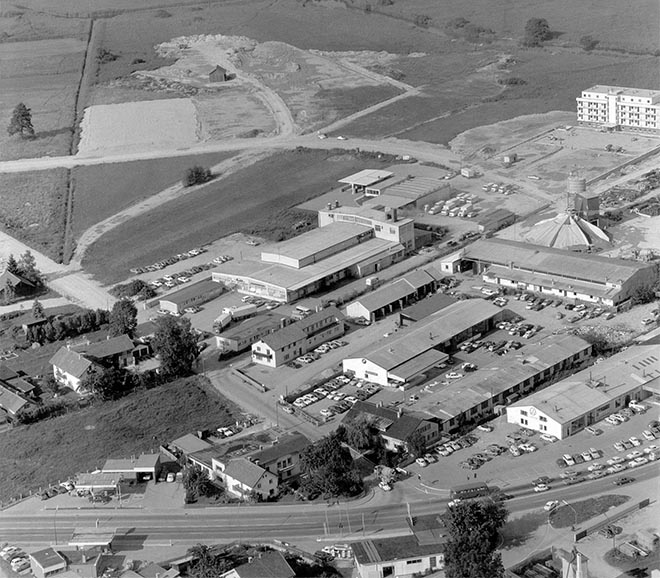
634 109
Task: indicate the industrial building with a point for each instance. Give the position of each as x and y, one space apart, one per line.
298 338
618 107
426 344
589 396
559 273
240 337
191 295
485 392
396 295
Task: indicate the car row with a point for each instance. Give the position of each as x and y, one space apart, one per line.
171 280
16 557
169 261
220 259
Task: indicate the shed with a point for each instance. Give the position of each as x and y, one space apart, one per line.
219 74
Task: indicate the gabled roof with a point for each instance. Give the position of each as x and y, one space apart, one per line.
6 277
392 425
296 331
10 401
47 557
291 444
71 362
244 471
106 348
268 565
190 443
7 373
155 571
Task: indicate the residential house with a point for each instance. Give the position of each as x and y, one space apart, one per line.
11 403
15 284
155 571
283 457
243 479
298 338
265 565
219 74
395 427
111 352
70 368
241 336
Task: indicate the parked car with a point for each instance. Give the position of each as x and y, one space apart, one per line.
541 488
551 505
485 427
421 462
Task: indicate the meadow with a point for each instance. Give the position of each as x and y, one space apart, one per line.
40 454
245 199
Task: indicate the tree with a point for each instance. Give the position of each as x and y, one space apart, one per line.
27 268
537 30
12 265
176 344
106 383
196 482
9 292
123 319
473 536
21 121
197 175
38 310
416 444
361 433
207 564
329 469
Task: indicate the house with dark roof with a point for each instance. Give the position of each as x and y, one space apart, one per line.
113 351
243 478
70 367
14 283
395 427
11 402
264 565
298 338
219 74
283 457
12 380
153 570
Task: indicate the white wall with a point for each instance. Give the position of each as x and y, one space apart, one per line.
535 420
356 309
365 369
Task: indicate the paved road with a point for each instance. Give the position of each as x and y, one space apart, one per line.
382 514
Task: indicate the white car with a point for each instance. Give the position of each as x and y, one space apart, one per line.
652 448
551 505
340 137
385 487
638 462
484 427
326 413
595 467
615 460
421 462
454 502
541 488
548 438
528 447
616 468
635 441
648 435
634 454
322 136
568 458
453 375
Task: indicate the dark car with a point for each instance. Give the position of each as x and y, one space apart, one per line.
542 480
623 481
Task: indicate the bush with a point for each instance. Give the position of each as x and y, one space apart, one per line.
512 81
537 31
588 43
197 175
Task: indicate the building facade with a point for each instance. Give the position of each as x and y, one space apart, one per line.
242 336
399 557
619 107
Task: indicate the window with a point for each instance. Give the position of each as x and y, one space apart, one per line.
544 428
523 421
543 418
417 561
523 412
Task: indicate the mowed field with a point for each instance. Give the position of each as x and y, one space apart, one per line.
43 74
40 454
100 191
226 206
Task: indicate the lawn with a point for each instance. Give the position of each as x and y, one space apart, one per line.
246 198
578 512
33 209
36 455
100 191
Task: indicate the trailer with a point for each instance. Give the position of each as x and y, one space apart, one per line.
243 312
220 322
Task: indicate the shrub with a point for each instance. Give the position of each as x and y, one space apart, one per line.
197 175
537 31
588 43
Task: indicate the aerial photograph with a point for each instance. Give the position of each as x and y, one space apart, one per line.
329 289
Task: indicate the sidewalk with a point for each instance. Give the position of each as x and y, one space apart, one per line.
27 305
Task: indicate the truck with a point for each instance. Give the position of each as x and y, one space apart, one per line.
241 312
220 322
465 209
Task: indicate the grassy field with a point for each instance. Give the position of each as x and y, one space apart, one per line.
244 199
33 209
565 516
37 455
100 191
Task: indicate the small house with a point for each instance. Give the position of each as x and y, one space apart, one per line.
219 74
70 367
47 562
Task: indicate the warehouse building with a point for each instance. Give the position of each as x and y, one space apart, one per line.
589 396
387 299
484 393
425 308
298 338
194 294
241 337
559 273
426 344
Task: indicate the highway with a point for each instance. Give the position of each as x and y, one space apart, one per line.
384 514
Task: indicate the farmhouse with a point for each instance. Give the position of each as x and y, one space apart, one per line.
559 273
298 338
617 107
417 349
219 74
196 293
485 392
241 337
395 427
385 300
587 397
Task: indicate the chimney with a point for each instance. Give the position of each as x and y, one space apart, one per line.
395 214
329 206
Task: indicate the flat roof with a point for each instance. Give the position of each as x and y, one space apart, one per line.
627 91
375 551
190 443
431 332
599 384
497 377
91 537
418 364
98 480
368 212
131 464
366 177
557 262
190 291
293 279
428 306
316 240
